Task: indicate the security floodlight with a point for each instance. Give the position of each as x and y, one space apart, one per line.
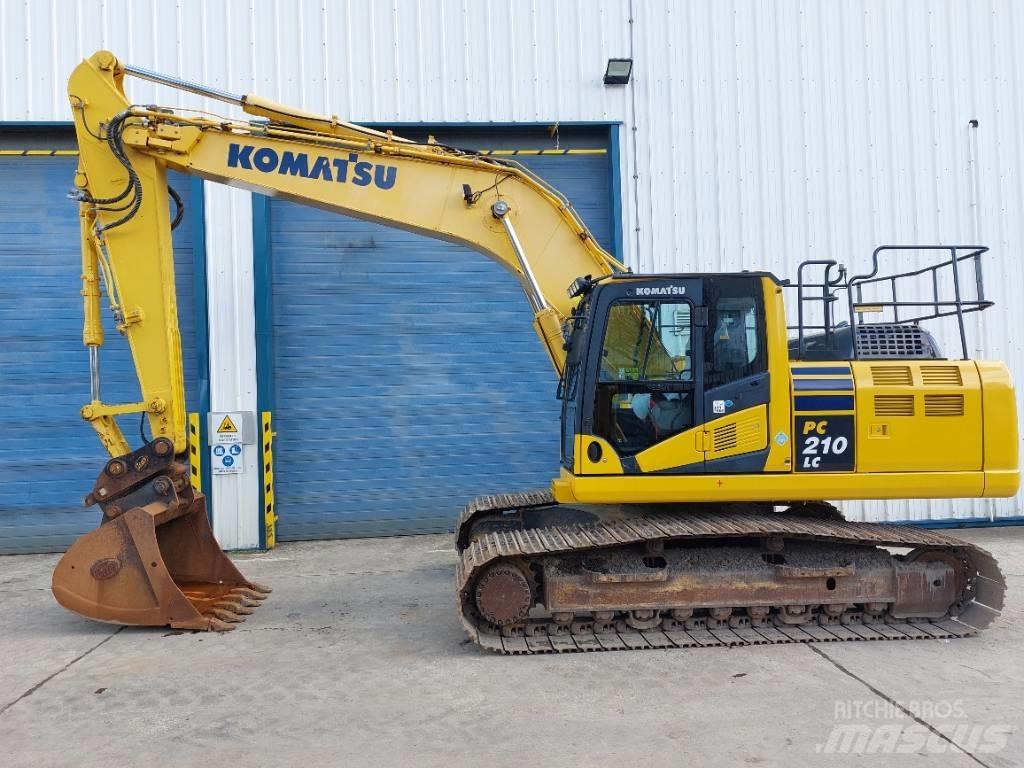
618 71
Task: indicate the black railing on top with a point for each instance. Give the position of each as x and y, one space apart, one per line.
834 279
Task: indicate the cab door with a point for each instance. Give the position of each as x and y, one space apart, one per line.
643 383
735 381
677 378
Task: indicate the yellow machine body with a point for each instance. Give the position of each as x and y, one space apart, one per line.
918 429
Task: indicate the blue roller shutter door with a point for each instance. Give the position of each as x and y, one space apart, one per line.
49 457
408 376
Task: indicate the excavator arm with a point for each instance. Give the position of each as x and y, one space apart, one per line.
154 559
494 206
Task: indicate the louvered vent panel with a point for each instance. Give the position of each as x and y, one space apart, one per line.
894 340
724 438
944 375
894 405
943 405
891 376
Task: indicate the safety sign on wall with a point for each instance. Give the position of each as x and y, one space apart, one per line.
226 459
226 429
229 433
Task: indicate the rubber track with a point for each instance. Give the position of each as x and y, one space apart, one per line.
981 609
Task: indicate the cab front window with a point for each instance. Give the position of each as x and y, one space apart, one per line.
645 381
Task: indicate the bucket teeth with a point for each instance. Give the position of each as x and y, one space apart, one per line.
216 625
225 615
248 594
240 596
259 589
233 606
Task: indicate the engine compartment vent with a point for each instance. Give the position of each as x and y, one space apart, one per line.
942 375
943 405
894 340
891 376
894 405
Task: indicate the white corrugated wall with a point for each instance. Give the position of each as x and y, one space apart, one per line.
755 134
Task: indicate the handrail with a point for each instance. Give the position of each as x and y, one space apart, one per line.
940 306
961 307
827 297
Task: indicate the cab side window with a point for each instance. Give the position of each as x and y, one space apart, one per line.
735 340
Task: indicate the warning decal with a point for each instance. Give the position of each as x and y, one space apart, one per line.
227 425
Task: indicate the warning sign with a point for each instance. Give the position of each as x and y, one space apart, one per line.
230 428
226 425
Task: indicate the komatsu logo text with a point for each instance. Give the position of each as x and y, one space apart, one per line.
662 290
343 170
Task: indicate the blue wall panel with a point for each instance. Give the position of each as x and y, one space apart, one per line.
408 378
49 457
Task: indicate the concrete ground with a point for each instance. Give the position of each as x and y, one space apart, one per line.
357 659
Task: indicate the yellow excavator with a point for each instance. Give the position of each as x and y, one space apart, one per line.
702 438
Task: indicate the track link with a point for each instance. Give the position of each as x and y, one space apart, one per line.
979 604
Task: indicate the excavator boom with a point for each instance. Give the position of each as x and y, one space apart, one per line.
496 207
438 191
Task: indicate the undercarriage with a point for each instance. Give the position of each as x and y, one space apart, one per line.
537 577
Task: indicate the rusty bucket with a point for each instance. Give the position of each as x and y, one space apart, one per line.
157 563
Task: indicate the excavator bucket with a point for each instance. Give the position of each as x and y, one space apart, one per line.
156 564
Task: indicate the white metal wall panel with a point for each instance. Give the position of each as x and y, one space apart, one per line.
232 335
404 60
765 132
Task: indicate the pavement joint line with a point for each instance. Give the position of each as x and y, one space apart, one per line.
882 695
369 572
67 666
321 630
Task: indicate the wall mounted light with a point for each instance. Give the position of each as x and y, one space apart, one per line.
618 71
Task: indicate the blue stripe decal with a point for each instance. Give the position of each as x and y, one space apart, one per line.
823 384
822 370
824 402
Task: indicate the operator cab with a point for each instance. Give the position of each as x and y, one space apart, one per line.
650 358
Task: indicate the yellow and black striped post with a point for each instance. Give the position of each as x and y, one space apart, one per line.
195 454
269 518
